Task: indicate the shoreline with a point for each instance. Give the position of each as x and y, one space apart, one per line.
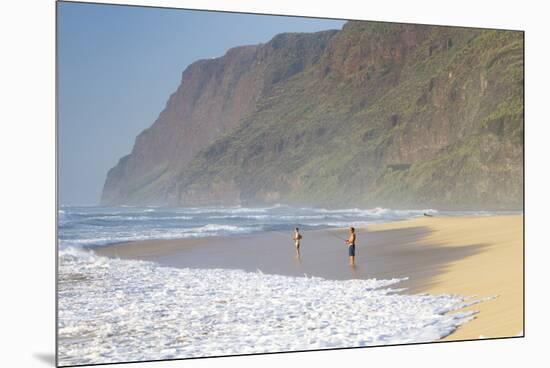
467 256
496 271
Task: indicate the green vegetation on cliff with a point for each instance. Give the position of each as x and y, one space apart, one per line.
386 115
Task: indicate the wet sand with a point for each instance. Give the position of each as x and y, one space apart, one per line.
479 256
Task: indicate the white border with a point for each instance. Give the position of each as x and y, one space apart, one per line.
27 153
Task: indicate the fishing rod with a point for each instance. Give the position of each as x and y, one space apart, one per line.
336 236
290 234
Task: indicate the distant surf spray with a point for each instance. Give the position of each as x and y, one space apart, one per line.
97 226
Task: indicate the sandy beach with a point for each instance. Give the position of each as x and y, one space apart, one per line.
469 256
496 269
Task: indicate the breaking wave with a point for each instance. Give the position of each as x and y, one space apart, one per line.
113 310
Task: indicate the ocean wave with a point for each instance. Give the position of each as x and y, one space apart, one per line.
416 212
341 224
113 310
233 210
224 210
123 236
372 212
311 217
248 217
216 228
99 226
375 212
134 218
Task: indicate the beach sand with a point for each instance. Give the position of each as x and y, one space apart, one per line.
469 256
496 270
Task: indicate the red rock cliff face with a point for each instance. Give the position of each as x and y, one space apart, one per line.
374 115
391 115
213 96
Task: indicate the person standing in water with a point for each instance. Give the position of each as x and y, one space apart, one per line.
297 237
351 246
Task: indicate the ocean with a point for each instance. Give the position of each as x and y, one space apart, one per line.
113 310
91 227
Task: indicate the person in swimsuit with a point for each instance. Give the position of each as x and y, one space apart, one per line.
351 246
297 237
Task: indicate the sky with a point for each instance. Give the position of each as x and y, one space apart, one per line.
117 66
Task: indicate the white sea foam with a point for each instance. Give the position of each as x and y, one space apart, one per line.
114 310
215 228
231 210
133 218
98 226
376 212
162 234
342 223
310 217
253 217
416 212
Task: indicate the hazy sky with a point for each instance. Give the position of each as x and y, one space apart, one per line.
117 66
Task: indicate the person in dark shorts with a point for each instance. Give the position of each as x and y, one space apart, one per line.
351 246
